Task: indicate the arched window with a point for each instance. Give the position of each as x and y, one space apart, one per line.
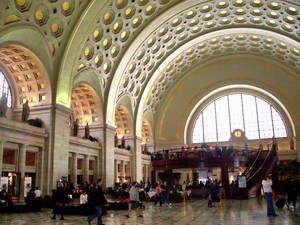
5 89
253 115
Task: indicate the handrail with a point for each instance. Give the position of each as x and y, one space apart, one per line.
250 168
263 165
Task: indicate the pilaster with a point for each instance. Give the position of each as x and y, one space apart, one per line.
108 156
1 156
61 136
21 170
86 168
136 165
74 169
297 140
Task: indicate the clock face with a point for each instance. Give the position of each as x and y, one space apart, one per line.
238 134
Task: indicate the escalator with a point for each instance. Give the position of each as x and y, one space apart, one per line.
261 167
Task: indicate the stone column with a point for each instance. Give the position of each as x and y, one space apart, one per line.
96 169
1 156
146 173
86 168
123 172
74 169
108 156
21 169
297 141
136 165
61 134
40 169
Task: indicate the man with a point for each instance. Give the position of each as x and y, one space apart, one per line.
59 200
267 186
134 199
165 195
98 200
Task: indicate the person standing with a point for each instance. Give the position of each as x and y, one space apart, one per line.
134 199
59 200
158 195
267 186
98 201
164 194
183 188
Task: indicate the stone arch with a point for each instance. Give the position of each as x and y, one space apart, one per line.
27 76
238 88
86 105
151 49
199 84
165 75
147 133
123 122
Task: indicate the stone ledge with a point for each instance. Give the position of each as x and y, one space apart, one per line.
84 142
121 151
21 127
146 157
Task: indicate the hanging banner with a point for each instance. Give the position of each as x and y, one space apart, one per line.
27 185
4 183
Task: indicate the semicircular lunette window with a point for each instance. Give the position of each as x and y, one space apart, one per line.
5 89
253 115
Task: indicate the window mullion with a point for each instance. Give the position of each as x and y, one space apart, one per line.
202 127
243 114
216 121
272 121
229 114
257 117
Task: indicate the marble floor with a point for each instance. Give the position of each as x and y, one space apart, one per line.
231 212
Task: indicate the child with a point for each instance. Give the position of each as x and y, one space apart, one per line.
209 204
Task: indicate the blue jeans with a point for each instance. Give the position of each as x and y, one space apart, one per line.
165 197
98 214
158 198
270 208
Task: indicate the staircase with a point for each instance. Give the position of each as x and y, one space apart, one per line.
261 167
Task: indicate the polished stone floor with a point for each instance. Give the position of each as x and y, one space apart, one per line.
231 212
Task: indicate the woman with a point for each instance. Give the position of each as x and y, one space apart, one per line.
267 186
183 188
158 195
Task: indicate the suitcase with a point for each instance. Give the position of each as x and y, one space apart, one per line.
280 203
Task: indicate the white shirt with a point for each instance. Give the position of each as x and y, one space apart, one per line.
267 185
83 199
37 193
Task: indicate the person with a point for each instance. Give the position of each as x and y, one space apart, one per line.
214 191
37 192
183 151
125 198
134 199
291 190
183 188
158 195
59 200
83 198
3 199
209 204
164 194
98 201
267 186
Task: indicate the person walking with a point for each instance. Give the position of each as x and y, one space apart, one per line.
98 201
267 186
134 199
